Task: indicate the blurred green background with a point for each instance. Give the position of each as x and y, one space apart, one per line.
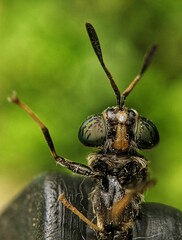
46 56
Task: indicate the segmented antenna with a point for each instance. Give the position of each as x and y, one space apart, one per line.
146 62
97 48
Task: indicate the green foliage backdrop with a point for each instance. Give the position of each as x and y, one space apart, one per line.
45 55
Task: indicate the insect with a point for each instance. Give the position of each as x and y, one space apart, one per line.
119 170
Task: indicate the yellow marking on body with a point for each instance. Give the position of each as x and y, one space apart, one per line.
121 142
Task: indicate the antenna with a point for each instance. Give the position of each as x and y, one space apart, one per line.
97 48
146 62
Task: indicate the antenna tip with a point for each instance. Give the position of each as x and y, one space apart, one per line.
155 46
88 25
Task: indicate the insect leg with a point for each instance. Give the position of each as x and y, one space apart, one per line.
118 208
67 204
73 166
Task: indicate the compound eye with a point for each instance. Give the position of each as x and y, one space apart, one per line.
147 135
93 131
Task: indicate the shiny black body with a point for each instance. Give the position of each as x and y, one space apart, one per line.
50 220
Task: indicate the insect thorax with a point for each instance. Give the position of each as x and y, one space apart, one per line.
118 174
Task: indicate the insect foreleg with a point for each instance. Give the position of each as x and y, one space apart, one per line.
73 166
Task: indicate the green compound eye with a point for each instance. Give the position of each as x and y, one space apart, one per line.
147 135
93 131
